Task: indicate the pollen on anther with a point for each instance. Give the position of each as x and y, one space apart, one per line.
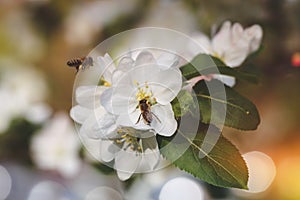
118 141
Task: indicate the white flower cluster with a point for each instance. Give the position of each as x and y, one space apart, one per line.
132 102
129 108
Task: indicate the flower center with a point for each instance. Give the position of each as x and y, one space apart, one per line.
127 140
221 57
103 82
144 93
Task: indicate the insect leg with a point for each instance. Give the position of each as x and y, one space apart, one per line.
138 119
156 117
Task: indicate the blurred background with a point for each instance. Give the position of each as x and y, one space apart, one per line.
40 154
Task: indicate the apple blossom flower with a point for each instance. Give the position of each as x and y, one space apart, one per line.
132 150
56 147
232 44
144 80
133 147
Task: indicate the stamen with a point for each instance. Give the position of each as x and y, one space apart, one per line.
104 82
144 93
107 84
128 140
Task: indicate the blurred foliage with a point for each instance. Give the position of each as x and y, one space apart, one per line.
14 144
125 22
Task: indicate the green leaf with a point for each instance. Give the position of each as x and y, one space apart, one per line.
183 103
238 111
204 64
220 164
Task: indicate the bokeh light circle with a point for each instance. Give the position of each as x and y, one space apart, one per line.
262 172
103 193
48 190
5 183
182 188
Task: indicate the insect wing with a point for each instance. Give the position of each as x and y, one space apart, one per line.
87 62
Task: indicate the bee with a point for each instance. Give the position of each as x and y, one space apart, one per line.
146 113
80 63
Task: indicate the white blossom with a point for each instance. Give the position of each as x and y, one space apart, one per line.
144 79
56 147
131 152
232 44
133 147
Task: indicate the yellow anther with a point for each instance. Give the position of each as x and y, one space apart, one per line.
118 141
215 54
107 84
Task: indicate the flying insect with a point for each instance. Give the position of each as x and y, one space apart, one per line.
80 63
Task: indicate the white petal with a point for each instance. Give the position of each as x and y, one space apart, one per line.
204 44
128 119
119 100
238 47
107 150
227 80
116 76
167 124
126 63
106 124
89 96
79 114
126 163
237 31
167 60
166 85
221 41
108 60
108 66
144 58
236 56
106 98
151 154
254 35
98 124
231 45
131 120
89 128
